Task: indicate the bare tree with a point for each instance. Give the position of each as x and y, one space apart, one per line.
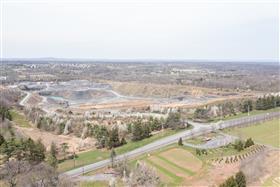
12 170
143 175
41 175
122 168
22 173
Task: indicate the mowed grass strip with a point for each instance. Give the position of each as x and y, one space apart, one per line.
83 159
267 132
183 158
171 176
187 171
19 119
170 167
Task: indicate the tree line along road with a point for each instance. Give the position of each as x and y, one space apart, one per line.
198 129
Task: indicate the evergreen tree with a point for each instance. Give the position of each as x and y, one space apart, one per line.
239 146
240 179
180 142
53 150
173 121
146 131
64 147
129 128
123 141
198 152
246 106
52 159
5 113
2 139
137 131
113 139
249 142
37 152
230 182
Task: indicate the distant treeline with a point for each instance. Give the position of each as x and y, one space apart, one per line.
267 102
231 108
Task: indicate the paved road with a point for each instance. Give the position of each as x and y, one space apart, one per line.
198 129
25 99
217 141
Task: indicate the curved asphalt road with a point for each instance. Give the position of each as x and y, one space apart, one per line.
25 99
198 129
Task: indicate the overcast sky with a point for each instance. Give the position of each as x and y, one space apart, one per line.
231 30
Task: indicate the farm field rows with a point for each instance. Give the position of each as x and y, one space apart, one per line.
174 165
180 165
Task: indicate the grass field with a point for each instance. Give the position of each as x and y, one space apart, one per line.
97 155
267 132
19 119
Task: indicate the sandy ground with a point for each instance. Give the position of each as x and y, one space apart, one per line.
75 144
117 105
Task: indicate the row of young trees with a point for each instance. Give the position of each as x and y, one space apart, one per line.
267 102
262 103
246 105
141 130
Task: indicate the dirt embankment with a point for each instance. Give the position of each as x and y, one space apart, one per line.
257 170
165 90
75 144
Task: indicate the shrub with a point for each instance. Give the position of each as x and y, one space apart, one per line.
180 142
249 142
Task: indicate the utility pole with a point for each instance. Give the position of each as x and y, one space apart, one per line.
74 157
248 109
